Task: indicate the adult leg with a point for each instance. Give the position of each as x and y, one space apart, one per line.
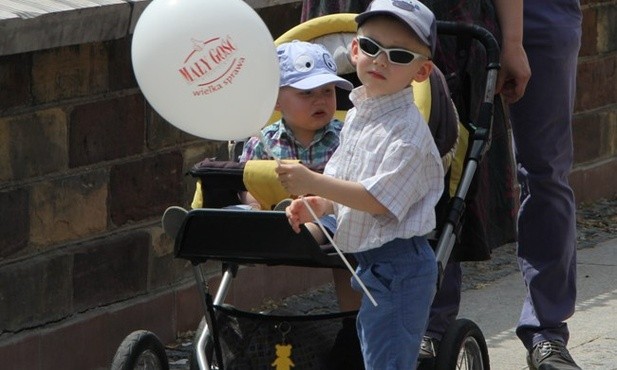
541 123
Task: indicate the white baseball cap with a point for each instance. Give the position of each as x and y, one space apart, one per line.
412 12
306 66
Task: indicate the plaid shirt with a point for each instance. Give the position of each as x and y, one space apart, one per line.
283 144
387 147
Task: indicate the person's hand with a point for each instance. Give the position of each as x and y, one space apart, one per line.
298 213
514 73
295 177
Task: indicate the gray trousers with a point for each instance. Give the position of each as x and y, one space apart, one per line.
542 128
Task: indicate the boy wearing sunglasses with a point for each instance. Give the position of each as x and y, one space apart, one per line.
383 182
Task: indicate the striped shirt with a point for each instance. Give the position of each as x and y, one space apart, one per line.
283 144
387 147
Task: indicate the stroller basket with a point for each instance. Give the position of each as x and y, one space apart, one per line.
261 341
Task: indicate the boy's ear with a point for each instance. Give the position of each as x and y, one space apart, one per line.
354 50
424 71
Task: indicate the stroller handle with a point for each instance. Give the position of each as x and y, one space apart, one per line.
484 36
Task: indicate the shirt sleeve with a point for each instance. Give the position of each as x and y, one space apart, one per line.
252 150
401 180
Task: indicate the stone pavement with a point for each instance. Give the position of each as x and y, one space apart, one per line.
593 328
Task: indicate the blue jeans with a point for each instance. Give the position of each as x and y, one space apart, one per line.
401 275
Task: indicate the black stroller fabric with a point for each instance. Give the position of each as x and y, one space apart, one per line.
261 341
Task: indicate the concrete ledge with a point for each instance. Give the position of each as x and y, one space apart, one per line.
27 26
594 180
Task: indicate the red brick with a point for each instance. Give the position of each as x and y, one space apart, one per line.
155 313
24 154
589 40
119 54
68 208
34 292
165 269
595 135
144 189
256 283
189 308
106 130
15 81
594 181
607 28
110 270
89 341
280 18
14 222
69 72
82 344
596 83
161 134
21 352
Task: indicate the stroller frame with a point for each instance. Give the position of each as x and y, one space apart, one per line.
463 344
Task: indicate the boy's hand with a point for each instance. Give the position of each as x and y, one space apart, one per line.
298 213
295 177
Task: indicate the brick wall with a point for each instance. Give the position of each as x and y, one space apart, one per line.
595 124
87 169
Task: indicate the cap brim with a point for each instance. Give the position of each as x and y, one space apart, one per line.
362 17
316 81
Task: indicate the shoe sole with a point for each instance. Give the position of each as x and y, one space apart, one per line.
172 220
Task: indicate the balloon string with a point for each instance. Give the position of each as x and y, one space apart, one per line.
327 234
322 228
267 148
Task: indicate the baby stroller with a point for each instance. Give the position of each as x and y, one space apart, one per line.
230 338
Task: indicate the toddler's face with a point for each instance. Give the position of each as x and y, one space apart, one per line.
378 74
307 110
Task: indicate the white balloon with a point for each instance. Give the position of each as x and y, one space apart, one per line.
209 67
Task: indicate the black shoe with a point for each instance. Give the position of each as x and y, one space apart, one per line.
551 355
428 348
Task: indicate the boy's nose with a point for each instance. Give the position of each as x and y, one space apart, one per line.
380 58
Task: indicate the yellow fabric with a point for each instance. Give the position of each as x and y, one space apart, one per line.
320 26
422 97
456 171
260 180
198 198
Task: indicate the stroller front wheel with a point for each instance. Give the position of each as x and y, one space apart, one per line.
140 350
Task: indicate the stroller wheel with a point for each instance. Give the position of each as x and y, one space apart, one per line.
463 347
140 350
